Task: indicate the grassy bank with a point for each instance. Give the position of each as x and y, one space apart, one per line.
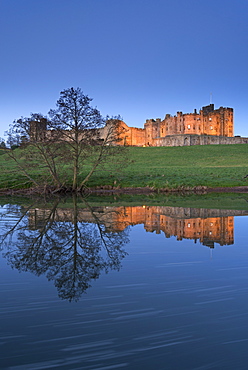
211 166
176 167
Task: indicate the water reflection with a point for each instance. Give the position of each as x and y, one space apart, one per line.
209 226
73 245
58 243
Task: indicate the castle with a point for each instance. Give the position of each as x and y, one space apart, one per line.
209 126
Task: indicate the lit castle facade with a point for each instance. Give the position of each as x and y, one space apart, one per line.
209 126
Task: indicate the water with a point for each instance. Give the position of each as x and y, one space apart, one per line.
86 287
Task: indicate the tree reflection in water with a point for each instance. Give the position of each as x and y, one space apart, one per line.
67 250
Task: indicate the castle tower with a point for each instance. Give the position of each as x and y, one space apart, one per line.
37 130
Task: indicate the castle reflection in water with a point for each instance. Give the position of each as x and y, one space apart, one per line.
208 226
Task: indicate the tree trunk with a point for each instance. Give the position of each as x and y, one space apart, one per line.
75 175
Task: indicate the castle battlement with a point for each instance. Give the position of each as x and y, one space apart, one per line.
209 126
177 130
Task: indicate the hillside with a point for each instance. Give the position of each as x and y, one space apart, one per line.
162 167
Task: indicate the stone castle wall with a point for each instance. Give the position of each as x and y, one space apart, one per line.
209 126
187 140
209 121
132 136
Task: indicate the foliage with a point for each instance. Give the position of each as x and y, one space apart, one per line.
2 143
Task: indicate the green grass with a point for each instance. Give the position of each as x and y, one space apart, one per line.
230 201
161 167
211 166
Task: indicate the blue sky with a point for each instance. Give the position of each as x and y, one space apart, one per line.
137 58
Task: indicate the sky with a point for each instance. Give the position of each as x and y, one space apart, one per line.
139 59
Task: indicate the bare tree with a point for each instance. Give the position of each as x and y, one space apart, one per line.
89 139
35 151
68 148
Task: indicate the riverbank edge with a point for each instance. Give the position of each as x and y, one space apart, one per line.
128 190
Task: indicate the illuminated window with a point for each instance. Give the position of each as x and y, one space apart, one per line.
188 126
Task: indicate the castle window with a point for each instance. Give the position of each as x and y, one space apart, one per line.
188 126
210 119
211 127
162 131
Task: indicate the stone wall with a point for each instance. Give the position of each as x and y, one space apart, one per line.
209 121
209 126
187 140
128 136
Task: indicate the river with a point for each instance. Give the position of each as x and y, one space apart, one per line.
104 286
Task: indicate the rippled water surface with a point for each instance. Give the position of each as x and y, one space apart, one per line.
128 287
